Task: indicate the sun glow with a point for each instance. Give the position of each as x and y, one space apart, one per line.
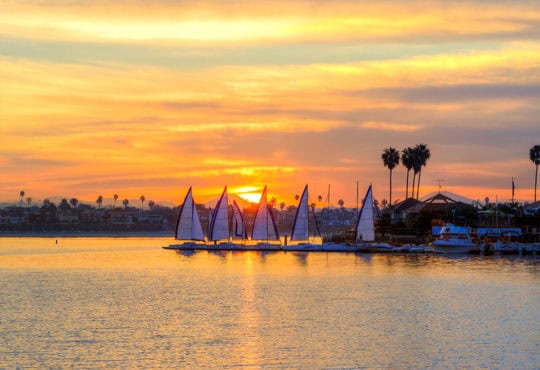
251 197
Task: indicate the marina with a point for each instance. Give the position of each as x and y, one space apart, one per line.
228 232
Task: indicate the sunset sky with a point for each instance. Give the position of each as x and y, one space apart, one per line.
101 97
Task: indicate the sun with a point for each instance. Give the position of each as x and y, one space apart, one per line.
249 193
250 197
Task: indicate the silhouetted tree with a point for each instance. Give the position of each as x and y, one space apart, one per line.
390 159
74 202
28 201
296 197
281 206
64 205
115 197
99 200
534 155
125 202
142 199
422 155
151 204
341 203
407 161
21 194
319 198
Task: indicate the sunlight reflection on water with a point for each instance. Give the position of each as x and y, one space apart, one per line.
92 302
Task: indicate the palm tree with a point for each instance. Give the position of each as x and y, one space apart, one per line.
534 155
99 200
390 159
125 202
407 157
422 155
28 201
74 202
21 194
142 199
341 203
115 197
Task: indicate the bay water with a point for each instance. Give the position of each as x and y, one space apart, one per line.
127 303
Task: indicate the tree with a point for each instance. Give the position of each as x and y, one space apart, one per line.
99 200
142 199
281 206
74 202
534 155
296 197
28 201
151 204
390 159
319 198
422 154
125 202
273 202
407 161
21 194
341 203
64 205
115 197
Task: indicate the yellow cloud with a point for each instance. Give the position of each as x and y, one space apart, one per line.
390 126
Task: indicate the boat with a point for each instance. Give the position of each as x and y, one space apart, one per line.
300 230
219 228
188 227
456 240
365 224
264 227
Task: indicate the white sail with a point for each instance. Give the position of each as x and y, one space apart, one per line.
239 227
301 219
219 225
189 224
264 227
365 226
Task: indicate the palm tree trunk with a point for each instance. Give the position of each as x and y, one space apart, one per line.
407 186
535 182
390 188
413 182
418 185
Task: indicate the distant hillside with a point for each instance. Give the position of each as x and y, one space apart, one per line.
107 202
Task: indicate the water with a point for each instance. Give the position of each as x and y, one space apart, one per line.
126 302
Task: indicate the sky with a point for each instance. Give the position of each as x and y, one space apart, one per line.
148 98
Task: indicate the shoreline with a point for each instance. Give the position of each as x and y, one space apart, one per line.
86 234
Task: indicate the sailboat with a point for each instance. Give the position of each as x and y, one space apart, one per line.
300 230
238 225
264 227
219 227
365 227
188 227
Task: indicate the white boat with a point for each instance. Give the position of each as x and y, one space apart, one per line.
365 225
456 240
300 230
219 225
264 227
238 225
188 227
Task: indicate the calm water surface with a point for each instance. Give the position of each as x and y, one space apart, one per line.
126 302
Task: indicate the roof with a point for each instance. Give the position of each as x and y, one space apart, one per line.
408 205
453 196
